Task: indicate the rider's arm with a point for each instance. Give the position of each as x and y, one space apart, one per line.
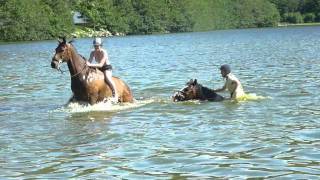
102 62
91 56
236 83
221 89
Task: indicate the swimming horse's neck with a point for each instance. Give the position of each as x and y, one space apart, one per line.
205 92
76 63
198 92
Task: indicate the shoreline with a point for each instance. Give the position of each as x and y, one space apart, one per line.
298 24
86 32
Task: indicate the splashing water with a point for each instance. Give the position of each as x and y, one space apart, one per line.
251 97
75 107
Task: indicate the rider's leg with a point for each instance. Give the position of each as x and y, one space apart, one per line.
109 81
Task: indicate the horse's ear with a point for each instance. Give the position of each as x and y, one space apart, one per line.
60 39
195 82
64 40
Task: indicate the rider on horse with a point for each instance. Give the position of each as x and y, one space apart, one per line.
101 57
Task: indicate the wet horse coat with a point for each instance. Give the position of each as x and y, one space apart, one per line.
87 84
195 91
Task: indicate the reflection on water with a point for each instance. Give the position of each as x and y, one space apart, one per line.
272 133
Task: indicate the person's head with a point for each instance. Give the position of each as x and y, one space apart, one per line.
225 70
97 43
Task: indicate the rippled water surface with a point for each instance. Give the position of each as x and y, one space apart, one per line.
154 138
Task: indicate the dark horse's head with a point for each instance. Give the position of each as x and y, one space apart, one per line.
190 91
194 90
61 53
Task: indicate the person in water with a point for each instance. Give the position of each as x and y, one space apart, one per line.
101 57
232 83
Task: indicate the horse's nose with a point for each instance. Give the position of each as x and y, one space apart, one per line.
54 64
177 96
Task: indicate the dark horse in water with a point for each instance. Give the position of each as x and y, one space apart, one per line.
195 91
87 84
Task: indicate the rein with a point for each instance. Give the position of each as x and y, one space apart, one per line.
84 66
72 63
79 72
61 71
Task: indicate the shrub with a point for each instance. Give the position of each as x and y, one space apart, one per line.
293 17
309 17
317 18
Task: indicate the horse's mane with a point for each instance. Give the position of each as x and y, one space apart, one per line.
90 69
206 92
82 57
75 50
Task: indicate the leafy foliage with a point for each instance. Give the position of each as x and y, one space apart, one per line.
33 20
137 16
294 11
47 19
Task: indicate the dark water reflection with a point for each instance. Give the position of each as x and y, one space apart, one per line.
276 137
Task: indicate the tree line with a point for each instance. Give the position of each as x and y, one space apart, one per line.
298 11
48 19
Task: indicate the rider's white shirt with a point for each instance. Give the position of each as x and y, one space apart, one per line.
235 92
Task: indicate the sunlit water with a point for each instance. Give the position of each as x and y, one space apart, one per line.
274 133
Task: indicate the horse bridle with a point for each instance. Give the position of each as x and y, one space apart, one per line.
60 61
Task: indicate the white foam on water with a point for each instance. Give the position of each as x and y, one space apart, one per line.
107 106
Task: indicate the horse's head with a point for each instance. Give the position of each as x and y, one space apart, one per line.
187 93
61 53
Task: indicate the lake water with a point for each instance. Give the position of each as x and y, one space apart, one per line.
276 136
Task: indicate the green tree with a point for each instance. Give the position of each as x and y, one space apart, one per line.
33 20
291 10
177 17
98 12
293 17
286 6
309 17
60 17
255 13
208 15
22 20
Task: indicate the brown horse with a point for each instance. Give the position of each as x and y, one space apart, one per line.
195 91
87 84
